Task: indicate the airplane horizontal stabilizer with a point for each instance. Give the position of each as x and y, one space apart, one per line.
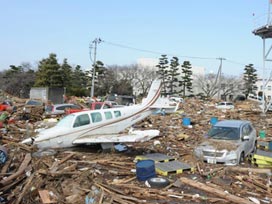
134 136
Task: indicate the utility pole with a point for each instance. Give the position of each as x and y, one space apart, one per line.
268 16
95 42
219 74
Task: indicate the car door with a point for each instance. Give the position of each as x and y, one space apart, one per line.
246 131
252 137
60 109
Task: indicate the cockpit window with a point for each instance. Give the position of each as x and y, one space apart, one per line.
108 115
96 117
117 114
66 121
82 120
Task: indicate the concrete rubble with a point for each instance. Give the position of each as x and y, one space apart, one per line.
86 174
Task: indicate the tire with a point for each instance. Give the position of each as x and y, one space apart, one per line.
242 157
158 182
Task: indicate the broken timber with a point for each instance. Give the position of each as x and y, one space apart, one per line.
217 192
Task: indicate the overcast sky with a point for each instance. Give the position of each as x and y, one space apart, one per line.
195 30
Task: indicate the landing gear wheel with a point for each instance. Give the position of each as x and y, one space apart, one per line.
158 182
242 157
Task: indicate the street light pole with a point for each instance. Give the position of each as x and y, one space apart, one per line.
96 41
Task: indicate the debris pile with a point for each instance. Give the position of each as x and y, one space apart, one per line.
86 174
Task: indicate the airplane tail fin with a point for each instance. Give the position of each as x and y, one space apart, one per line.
154 93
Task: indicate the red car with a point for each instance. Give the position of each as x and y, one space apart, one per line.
93 106
100 105
4 105
73 110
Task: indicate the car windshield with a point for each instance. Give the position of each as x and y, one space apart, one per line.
66 121
49 108
34 103
224 133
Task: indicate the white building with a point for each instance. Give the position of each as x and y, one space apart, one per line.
148 62
267 91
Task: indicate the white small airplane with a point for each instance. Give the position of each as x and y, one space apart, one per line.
102 126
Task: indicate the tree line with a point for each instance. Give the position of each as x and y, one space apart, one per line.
177 79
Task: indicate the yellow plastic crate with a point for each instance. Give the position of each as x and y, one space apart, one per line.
172 167
156 157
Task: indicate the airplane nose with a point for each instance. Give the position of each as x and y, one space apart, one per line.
28 141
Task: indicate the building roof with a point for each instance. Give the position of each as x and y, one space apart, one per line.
264 31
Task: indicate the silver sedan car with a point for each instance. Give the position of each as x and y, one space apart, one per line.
228 142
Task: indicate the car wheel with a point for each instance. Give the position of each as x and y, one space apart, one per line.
242 157
158 182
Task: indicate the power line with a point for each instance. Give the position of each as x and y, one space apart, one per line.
160 53
243 64
155 52
233 62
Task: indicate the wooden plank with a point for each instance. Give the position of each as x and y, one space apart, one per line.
247 170
215 191
55 166
25 189
6 166
45 197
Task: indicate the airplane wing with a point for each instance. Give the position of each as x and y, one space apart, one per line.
134 136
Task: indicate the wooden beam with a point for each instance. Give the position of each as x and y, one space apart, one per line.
247 170
214 191
26 188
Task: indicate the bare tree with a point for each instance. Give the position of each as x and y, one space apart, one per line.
229 86
125 72
206 83
143 77
139 77
18 80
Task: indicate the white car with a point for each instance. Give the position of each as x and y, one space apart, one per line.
176 99
228 142
225 105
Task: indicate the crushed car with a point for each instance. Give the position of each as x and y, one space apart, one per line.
59 109
228 142
5 105
33 104
176 99
225 105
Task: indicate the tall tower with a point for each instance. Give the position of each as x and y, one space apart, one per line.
265 32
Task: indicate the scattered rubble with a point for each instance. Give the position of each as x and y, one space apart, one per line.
86 174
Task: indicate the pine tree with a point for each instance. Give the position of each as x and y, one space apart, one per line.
172 75
66 71
187 73
100 76
163 72
250 78
49 73
79 83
